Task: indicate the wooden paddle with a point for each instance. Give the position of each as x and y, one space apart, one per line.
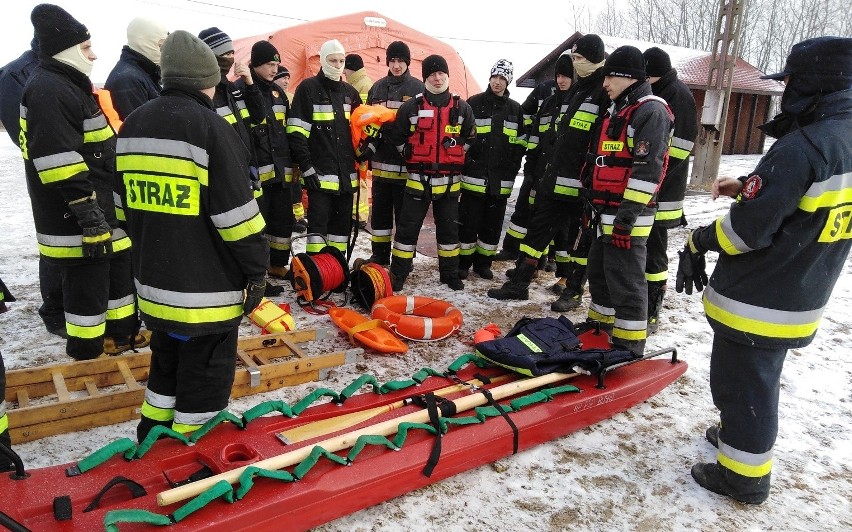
347 440
337 423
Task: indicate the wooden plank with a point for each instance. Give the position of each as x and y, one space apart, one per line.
23 398
78 368
75 408
59 385
128 376
101 380
63 426
91 388
273 376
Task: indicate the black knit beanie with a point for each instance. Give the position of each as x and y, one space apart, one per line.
263 52
432 64
591 47
564 66
353 62
399 50
282 72
217 40
188 63
56 29
657 62
625 62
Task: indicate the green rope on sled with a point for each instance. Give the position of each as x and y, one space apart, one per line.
265 408
114 517
105 453
248 475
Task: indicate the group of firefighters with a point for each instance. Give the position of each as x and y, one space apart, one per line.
204 168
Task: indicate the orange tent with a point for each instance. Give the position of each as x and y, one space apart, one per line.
367 34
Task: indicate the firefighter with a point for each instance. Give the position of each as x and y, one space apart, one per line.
321 144
356 75
630 156
272 151
666 85
69 154
432 132
6 463
782 246
200 237
300 224
490 169
387 165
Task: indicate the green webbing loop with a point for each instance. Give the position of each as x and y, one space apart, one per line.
356 385
567 388
105 453
247 478
403 428
114 517
220 489
464 360
316 453
153 435
300 407
367 439
530 399
424 374
224 415
266 407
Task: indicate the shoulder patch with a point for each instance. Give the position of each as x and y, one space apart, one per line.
643 147
752 187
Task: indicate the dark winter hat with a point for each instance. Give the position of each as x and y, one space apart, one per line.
263 52
564 66
432 64
504 69
399 50
353 62
217 40
625 62
282 73
56 29
591 47
657 62
188 63
827 57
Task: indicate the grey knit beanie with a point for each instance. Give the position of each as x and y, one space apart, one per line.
188 63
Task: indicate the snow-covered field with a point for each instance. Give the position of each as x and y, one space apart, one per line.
630 472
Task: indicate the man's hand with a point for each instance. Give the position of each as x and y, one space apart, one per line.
726 186
311 182
691 269
241 69
254 295
97 234
620 237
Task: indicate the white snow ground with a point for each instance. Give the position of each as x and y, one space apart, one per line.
630 472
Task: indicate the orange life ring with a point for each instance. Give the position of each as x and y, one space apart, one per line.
418 318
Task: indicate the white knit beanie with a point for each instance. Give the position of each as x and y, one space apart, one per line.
143 36
331 47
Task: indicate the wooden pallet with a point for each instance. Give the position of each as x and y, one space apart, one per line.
62 398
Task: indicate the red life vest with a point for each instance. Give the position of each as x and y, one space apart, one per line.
436 144
613 162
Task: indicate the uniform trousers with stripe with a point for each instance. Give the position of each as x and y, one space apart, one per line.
745 382
657 262
445 211
557 221
50 286
191 380
520 219
93 292
330 215
5 438
619 291
276 207
387 204
481 220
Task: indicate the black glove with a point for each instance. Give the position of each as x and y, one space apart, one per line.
97 233
690 269
620 237
254 178
311 182
255 290
406 151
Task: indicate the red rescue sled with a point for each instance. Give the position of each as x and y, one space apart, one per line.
328 490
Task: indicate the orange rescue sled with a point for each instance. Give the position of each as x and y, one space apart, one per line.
368 332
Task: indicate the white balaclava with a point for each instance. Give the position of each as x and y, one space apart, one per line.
74 58
331 47
144 35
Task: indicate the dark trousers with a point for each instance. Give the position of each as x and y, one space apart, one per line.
619 291
521 216
745 382
445 210
551 219
194 375
99 299
5 438
276 206
480 223
657 264
329 215
387 204
50 285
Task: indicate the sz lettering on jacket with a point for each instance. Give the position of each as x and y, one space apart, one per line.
169 195
839 225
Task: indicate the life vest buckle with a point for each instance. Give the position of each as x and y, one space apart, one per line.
600 161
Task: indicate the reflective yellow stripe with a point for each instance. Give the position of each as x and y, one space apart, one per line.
98 135
156 413
121 244
724 242
657 277
534 253
62 173
85 332
669 215
323 117
639 197
448 253
756 326
240 231
103 237
161 165
190 315
402 254
185 429
678 153
4 423
165 194
121 312
626 334
603 318
753 471
61 252
300 130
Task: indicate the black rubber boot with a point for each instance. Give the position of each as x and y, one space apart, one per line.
568 300
6 463
510 249
482 266
656 293
572 295
721 480
518 287
712 435
452 281
465 262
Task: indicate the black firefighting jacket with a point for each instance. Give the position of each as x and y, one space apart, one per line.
134 80
269 129
391 91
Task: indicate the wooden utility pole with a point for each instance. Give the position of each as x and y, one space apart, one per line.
726 45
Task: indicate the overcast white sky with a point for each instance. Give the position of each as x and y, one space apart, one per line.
481 32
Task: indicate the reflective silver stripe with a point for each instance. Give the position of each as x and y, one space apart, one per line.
85 321
328 178
428 113
589 108
224 111
404 247
266 168
762 314
22 111
511 125
309 172
834 183
545 119
461 120
392 104
631 131
473 181
340 239
117 200
464 246
533 140
670 205
507 184
168 148
298 122
59 240
2 408
682 143
381 232
347 108
279 109
166 402
193 418
732 236
562 254
323 108
65 158
118 303
189 299
569 182
388 167
641 221
517 228
241 104
600 309
94 124
448 247
483 245
117 234
483 121
316 239
631 325
283 242
643 186
744 457
236 215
